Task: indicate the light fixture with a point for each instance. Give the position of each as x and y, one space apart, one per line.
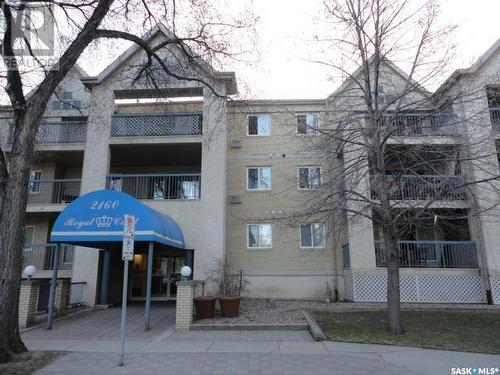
186 272
29 271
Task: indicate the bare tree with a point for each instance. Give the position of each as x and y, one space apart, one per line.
199 33
381 170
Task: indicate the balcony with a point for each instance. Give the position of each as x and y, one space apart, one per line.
178 186
495 116
424 187
422 124
431 254
41 255
156 124
54 191
58 132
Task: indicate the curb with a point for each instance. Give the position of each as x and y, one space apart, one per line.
314 327
249 327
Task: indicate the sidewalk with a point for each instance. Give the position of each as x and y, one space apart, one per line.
92 341
250 352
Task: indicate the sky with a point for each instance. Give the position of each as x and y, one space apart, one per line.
286 29
283 68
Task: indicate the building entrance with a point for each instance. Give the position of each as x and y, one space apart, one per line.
165 273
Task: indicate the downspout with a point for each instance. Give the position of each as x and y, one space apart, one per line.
484 266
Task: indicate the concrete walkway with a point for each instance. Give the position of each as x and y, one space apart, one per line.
220 356
166 351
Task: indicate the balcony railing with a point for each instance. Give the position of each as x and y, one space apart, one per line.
156 124
54 191
495 116
58 132
422 124
424 187
431 254
158 186
41 255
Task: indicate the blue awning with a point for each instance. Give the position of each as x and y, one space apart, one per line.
96 220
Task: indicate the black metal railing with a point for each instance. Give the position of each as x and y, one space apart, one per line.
53 190
158 186
58 132
41 255
424 187
422 124
156 124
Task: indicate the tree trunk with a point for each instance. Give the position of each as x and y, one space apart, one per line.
14 184
393 293
12 216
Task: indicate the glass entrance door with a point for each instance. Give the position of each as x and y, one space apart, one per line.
166 272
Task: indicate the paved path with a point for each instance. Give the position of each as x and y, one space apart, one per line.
92 348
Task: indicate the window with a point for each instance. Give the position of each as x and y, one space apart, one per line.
259 125
312 235
309 178
260 236
494 105
259 178
29 236
35 185
307 123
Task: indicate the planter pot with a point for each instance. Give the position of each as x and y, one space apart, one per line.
205 307
229 306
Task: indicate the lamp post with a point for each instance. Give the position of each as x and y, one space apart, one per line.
186 272
29 271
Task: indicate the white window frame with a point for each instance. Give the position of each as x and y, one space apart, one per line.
258 178
39 184
29 248
258 115
309 167
309 131
312 238
259 247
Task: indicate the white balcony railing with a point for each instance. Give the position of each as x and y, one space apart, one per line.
424 187
53 191
158 186
431 254
41 255
59 132
156 124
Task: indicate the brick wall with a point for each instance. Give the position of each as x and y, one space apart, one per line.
28 300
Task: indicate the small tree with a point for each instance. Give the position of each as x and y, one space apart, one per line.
225 280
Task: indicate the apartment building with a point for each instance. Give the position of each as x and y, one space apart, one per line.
235 175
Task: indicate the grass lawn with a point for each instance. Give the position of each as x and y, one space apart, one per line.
463 330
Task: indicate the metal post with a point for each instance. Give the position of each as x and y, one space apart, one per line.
189 261
53 284
106 263
124 312
147 314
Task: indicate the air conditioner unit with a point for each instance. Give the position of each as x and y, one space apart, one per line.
236 143
234 199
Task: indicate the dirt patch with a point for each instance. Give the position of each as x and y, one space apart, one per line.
268 311
28 363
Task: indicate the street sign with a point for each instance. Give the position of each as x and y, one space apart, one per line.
127 255
128 237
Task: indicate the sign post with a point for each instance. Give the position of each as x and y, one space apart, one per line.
127 256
